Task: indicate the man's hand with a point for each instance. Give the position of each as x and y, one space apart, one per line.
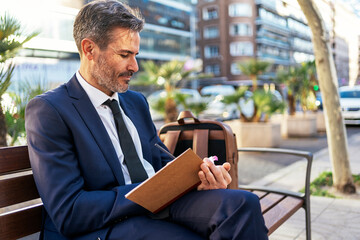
214 176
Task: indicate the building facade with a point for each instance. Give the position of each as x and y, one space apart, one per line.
52 56
168 32
232 31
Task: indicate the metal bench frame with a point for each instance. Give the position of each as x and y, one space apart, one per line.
284 199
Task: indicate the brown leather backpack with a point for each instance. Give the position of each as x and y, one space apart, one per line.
205 137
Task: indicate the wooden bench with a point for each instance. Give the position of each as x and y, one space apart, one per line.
278 205
21 208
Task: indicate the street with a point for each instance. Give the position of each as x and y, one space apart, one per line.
253 166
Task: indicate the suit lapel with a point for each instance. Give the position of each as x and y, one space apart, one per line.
94 124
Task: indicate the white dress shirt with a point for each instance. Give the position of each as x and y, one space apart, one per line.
97 98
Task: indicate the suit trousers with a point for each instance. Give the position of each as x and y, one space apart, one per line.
213 214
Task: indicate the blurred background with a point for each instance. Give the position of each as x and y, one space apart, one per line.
200 55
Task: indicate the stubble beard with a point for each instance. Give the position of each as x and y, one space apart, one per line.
107 78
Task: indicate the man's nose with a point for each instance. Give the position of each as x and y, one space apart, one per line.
133 65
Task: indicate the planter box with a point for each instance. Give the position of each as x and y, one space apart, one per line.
250 134
282 120
301 125
320 121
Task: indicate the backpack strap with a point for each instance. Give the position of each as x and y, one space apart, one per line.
171 140
200 142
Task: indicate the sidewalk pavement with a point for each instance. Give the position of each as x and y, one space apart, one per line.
331 219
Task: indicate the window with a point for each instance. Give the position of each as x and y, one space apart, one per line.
241 49
240 10
210 13
197 34
211 51
214 69
271 17
240 29
235 70
211 32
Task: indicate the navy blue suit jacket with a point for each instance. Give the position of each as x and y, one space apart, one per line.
75 166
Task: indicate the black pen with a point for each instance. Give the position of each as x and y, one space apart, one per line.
164 150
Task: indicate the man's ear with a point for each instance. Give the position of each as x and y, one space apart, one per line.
88 48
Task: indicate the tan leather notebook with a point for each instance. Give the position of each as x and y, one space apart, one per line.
168 184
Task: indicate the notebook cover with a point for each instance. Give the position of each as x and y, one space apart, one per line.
168 184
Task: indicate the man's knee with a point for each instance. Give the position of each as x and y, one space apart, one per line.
240 198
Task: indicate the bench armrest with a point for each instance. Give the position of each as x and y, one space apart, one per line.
307 155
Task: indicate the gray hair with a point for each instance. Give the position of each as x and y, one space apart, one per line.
96 19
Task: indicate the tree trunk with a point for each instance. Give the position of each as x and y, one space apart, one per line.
335 128
292 104
254 82
3 129
171 112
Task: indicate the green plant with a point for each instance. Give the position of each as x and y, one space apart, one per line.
166 75
320 186
237 97
15 111
11 40
188 103
264 102
299 81
253 68
182 99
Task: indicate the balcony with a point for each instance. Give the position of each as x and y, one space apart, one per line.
272 26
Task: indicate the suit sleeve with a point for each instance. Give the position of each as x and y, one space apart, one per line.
72 208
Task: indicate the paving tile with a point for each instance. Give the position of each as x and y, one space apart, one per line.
318 205
276 236
338 218
290 229
348 205
322 231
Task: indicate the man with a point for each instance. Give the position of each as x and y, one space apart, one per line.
82 168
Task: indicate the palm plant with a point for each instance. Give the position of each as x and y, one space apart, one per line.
195 106
253 68
266 105
300 81
166 75
236 98
15 114
11 40
307 96
264 102
181 99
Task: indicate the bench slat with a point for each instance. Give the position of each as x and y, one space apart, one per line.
20 223
14 159
270 200
277 215
17 189
260 194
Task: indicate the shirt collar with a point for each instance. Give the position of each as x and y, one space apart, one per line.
96 96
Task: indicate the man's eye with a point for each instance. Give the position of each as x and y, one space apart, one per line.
124 55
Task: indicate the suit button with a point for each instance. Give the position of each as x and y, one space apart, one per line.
98 238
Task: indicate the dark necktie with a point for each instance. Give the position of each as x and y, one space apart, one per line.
136 169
